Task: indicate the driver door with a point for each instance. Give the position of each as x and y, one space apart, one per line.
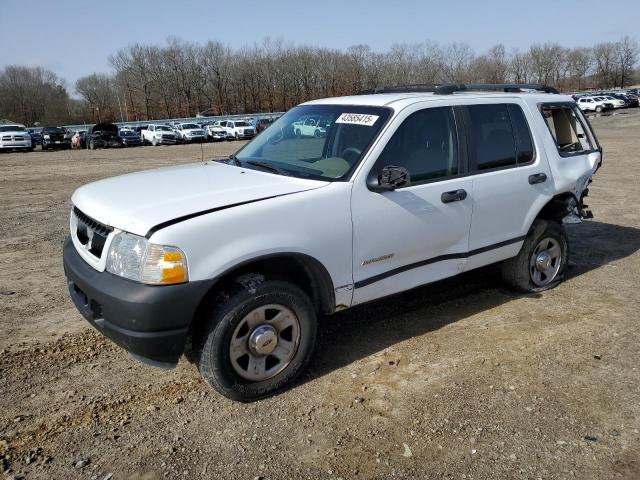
418 233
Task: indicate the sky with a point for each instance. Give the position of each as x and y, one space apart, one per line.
75 38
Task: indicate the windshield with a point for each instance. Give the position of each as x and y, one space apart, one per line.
189 125
327 148
163 128
12 129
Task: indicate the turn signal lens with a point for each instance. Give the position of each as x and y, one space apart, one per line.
164 266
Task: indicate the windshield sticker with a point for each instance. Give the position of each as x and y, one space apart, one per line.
358 119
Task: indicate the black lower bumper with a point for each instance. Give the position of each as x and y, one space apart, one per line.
151 322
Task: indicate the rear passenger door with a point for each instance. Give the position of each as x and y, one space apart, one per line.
510 179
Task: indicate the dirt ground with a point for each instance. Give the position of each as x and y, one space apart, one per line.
463 379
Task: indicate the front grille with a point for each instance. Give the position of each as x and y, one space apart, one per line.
6 138
18 138
91 233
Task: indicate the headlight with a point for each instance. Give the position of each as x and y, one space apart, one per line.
47 137
133 257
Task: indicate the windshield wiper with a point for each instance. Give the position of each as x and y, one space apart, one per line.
267 166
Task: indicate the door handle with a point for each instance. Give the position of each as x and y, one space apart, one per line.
537 178
453 196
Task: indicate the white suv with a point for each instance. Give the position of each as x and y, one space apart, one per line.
236 259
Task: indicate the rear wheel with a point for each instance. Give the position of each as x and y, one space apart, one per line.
542 260
92 145
256 338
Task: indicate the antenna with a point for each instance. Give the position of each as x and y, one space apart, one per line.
202 151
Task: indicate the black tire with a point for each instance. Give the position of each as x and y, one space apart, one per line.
516 271
598 109
92 145
226 312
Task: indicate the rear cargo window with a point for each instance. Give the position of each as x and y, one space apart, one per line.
567 129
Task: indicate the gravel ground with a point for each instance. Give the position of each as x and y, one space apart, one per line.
460 379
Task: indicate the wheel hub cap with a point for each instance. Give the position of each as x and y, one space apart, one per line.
263 340
543 261
546 261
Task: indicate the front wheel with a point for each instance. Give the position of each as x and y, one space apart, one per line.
256 338
598 109
542 260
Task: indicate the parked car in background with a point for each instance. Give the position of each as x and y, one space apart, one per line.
15 137
36 136
79 139
54 137
616 102
158 135
593 104
237 129
627 99
103 135
190 132
310 127
215 133
129 138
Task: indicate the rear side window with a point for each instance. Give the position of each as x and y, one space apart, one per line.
500 136
567 129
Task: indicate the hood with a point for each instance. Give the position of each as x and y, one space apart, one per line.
140 201
104 127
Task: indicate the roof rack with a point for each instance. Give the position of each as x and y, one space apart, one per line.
449 88
417 87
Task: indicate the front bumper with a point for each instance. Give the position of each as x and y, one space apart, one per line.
56 143
10 145
150 322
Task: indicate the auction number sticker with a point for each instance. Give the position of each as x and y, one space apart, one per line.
358 119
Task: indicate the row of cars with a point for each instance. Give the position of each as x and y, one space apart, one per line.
109 135
177 132
602 101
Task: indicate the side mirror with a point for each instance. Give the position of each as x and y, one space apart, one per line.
390 178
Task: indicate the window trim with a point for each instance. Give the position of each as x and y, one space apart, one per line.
586 126
461 149
472 167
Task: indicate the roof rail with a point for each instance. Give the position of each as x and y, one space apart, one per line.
417 87
449 88
509 87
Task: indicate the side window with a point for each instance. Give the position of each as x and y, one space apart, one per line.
492 136
521 134
426 144
567 129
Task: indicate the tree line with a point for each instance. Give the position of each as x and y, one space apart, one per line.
183 78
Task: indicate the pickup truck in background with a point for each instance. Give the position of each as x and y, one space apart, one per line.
158 135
